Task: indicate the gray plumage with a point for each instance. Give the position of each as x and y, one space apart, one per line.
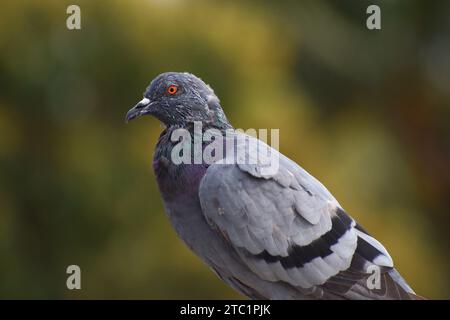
276 235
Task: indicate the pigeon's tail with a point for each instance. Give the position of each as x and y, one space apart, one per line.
392 287
399 289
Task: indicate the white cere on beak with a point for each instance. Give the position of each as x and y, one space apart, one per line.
144 102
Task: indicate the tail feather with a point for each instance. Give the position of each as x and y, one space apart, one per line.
392 287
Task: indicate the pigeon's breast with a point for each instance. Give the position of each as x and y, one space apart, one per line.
179 187
178 180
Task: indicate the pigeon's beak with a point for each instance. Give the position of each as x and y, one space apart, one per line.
143 107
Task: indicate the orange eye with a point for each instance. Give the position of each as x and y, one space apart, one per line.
172 89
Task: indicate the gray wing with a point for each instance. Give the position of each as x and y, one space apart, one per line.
286 226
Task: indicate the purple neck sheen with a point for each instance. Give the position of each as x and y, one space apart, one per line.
176 180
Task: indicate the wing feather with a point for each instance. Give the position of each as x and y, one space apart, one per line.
286 226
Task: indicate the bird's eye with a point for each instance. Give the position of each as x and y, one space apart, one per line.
172 89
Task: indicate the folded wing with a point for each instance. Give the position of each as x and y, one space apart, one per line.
286 226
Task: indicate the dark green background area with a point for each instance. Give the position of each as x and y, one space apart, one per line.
366 112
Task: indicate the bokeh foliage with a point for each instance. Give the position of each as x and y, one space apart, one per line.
366 112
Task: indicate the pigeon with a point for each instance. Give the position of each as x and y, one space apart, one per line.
268 231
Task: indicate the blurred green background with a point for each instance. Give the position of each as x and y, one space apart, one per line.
366 112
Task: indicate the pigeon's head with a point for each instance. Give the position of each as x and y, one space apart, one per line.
178 99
